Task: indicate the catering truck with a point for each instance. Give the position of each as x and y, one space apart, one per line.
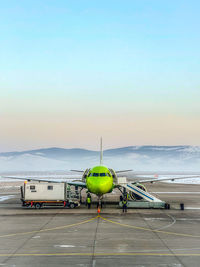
39 194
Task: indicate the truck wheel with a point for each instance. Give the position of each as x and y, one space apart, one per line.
72 205
37 205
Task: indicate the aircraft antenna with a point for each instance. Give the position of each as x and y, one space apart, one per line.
101 152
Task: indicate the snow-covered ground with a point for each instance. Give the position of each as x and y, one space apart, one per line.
3 198
53 176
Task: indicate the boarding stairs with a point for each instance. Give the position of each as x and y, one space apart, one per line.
148 200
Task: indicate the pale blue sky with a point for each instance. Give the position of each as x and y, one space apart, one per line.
74 70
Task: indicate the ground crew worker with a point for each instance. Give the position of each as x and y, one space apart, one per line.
124 205
128 196
89 201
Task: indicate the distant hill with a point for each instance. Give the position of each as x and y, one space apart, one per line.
141 158
53 152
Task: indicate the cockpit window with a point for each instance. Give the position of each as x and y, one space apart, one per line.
90 175
95 174
102 174
108 174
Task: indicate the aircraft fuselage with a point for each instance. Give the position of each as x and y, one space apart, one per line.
99 180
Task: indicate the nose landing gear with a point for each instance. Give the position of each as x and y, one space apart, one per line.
99 204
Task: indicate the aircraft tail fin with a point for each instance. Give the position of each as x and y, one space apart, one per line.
101 152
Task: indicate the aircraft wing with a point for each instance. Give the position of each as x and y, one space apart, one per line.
123 171
154 180
79 171
75 183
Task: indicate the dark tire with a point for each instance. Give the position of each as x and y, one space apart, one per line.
38 205
72 205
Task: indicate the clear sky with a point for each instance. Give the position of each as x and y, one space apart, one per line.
71 71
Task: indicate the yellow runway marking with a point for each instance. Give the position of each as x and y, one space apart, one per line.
100 254
50 229
110 221
147 229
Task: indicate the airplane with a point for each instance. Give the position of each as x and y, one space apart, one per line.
100 179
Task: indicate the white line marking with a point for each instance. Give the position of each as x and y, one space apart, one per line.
64 246
168 225
163 250
192 208
165 219
93 263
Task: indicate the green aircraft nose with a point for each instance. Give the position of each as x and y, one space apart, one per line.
99 185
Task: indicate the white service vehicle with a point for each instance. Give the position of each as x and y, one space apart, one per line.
37 194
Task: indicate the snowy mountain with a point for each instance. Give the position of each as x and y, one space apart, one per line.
140 158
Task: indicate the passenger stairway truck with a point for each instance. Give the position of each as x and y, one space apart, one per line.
146 200
38 194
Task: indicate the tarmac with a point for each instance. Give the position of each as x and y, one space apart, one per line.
82 237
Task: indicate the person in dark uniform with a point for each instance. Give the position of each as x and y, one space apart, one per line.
124 205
